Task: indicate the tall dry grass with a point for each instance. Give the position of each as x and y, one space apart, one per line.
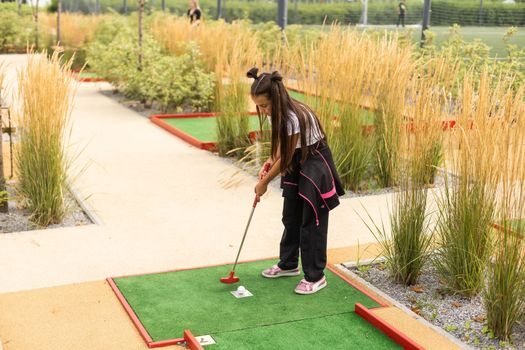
343 73
213 39
45 92
76 29
468 201
232 93
392 77
408 243
504 292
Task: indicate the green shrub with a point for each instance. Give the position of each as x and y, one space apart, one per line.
176 82
15 31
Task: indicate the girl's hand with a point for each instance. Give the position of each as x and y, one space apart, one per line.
264 169
260 189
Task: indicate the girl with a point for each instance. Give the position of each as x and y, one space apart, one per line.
194 13
311 186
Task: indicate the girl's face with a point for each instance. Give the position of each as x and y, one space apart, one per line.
264 104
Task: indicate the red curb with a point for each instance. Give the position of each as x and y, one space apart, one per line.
160 344
387 329
501 229
191 342
90 80
134 318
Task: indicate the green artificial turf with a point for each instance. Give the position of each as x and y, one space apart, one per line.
518 225
168 303
336 332
203 128
89 75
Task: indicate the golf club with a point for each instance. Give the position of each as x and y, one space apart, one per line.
231 277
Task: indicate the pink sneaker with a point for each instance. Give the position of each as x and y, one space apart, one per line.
305 287
275 271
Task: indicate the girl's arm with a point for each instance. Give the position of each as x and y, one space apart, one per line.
275 170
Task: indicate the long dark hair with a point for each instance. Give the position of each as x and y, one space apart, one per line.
271 85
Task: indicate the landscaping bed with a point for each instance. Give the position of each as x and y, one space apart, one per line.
462 317
17 219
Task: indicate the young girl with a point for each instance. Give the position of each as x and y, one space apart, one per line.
311 186
194 13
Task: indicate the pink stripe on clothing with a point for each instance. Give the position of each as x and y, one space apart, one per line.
329 194
289 183
313 183
313 207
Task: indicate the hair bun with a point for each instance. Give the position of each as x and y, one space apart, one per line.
276 76
252 73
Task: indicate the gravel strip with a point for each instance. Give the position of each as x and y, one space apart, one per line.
462 317
17 219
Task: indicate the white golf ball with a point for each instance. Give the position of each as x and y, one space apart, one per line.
241 289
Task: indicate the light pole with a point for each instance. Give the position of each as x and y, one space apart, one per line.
426 21
282 14
365 12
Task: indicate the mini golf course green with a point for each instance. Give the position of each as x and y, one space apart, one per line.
166 304
88 77
518 226
198 129
204 128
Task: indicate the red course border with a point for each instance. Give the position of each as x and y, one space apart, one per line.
208 146
387 329
193 344
501 229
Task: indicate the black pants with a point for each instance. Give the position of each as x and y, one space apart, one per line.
401 19
301 233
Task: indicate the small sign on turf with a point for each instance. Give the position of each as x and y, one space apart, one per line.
241 292
205 340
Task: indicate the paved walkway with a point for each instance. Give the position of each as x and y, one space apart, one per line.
160 203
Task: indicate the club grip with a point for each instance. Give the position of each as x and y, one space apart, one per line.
266 168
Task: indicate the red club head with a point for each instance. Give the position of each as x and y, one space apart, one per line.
230 279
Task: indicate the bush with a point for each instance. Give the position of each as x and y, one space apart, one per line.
176 82
15 31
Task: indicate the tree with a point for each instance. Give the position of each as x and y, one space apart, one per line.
141 15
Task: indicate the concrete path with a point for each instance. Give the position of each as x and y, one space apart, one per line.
160 203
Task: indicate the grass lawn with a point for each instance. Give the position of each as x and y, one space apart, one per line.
492 36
